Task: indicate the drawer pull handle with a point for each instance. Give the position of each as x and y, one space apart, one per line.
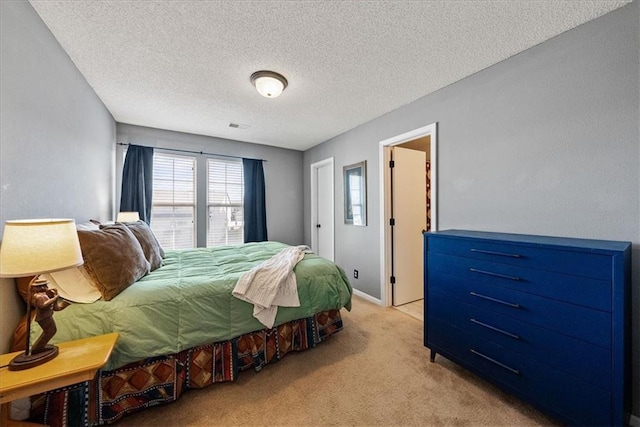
499 301
502 365
490 273
493 328
481 251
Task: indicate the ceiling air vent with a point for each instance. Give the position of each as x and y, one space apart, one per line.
238 126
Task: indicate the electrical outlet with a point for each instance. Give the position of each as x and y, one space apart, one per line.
355 274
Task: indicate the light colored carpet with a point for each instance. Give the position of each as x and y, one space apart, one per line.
376 372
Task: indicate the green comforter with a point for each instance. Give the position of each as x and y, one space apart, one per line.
188 302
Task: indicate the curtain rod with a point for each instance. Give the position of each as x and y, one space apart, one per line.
194 152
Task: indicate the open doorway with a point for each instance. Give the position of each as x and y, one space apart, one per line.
408 173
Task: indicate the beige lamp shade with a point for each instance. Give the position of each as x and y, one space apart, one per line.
127 217
32 247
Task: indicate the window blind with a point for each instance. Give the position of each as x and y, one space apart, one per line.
225 198
174 200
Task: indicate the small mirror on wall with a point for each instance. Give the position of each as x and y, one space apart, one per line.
355 193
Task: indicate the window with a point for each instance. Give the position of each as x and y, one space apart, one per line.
173 212
225 195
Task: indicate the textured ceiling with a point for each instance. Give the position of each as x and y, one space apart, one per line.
185 65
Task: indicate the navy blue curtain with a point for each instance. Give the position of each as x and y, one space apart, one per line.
255 211
137 182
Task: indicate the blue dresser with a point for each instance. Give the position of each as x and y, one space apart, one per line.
545 318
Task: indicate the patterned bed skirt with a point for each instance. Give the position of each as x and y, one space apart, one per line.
158 380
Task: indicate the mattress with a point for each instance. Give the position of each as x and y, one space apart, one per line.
188 302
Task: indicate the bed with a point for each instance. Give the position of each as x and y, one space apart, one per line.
180 327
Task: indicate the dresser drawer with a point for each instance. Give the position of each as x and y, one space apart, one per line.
571 398
567 354
584 291
578 263
584 323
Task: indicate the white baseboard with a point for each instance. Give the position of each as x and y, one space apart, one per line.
370 298
634 421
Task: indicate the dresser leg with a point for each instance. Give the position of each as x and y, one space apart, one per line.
433 356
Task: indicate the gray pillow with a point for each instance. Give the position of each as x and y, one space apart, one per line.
113 257
150 246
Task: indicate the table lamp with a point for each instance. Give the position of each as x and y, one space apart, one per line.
128 217
31 248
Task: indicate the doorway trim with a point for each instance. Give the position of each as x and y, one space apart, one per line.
385 256
314 204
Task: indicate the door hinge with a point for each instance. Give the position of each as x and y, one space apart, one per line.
392 279
392 163
392 221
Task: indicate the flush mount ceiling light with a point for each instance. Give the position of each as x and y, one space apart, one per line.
268 83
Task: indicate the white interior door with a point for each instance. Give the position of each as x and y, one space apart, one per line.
410 213
322 216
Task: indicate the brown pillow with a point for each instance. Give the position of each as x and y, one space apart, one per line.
19 337
113 258
148 241
22 283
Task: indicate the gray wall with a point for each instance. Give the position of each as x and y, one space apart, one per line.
282 170
56 137
546 142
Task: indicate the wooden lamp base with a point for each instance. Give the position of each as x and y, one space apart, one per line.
24 361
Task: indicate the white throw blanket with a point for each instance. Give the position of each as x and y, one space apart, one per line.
271 284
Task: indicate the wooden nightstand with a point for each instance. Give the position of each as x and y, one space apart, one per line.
77 361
